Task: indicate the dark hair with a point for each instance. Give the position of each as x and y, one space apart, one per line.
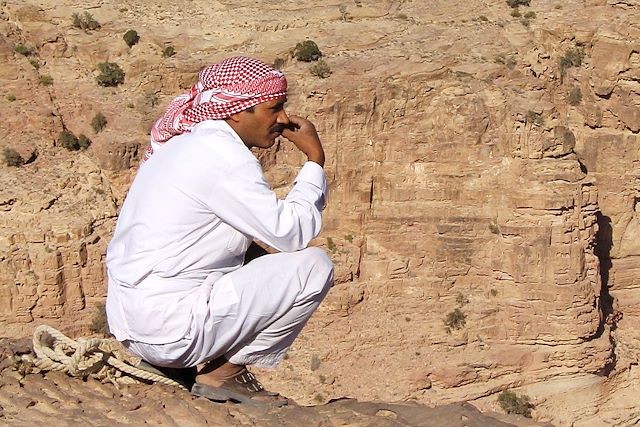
251 109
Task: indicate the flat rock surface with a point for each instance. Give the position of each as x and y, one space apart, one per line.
28 398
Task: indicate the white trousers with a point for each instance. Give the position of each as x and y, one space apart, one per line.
252 315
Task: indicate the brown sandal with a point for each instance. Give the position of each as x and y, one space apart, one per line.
243 387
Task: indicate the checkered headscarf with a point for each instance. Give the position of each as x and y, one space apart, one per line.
222 90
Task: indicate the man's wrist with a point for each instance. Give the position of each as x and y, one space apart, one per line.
317 158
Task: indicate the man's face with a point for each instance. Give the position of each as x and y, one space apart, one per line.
260 127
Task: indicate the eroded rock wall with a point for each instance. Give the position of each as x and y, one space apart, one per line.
483 216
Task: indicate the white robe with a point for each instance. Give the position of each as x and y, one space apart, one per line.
185 225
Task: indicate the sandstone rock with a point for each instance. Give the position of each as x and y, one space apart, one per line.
456 183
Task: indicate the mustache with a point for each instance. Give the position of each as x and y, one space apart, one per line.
278 128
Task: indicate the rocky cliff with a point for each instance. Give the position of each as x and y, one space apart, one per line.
484 170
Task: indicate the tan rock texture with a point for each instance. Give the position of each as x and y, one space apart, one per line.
484 217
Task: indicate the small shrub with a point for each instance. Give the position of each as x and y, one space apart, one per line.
45 80
516 13
493 292
130 105
23 50
530 15
514 404
320 69
461 299
525 22
508 61
331 245
68 140
34 63
517 3
110 74
402 16
131 37
307 51
456 319
99 322
85 21
83 141
535 118
152 99
168 51
278 63
315 362
572 58
344 15
98 122
483 18
11 97
349 238
12 157
574 97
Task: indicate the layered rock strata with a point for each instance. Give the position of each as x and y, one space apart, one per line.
484 172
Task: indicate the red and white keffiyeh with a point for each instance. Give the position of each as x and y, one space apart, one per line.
223 89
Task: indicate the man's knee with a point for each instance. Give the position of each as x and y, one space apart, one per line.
321 272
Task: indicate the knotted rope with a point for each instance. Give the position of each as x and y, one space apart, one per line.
101 359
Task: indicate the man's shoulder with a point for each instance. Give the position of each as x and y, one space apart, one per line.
214 145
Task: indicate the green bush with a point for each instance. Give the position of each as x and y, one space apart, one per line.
72 143
23 50
131 37
456 319
516 13
574 97
34 63
98 122
331 245
572 58
45 80
85 21
168 51
12 157
320 69
514 404
307 51
516 3
83 141
530 14
11 97
110 74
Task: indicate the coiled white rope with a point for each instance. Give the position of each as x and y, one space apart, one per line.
101 359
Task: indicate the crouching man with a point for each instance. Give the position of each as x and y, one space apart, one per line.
179 295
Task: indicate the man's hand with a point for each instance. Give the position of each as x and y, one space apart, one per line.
304 136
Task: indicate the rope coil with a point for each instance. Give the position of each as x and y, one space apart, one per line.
101 359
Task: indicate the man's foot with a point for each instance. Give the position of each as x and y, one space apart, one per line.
222 381
184 376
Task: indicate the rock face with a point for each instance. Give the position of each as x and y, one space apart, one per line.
485 185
